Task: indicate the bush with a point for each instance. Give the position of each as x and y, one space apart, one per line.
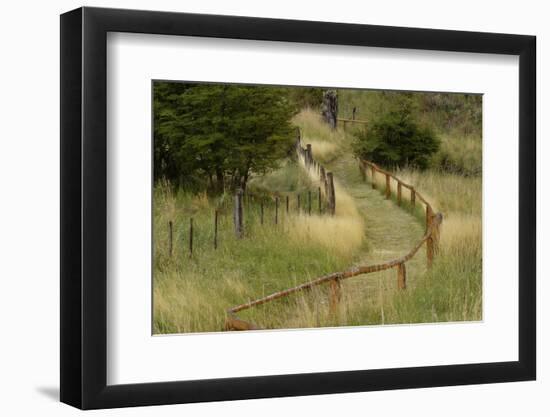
395 139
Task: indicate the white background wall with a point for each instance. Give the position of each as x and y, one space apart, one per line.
29 208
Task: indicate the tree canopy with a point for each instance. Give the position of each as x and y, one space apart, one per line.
219 134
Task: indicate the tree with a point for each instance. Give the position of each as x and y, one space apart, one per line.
396 139
221 132
164 113
311 97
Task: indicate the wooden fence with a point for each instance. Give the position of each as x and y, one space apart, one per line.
343 121
430 238
325 178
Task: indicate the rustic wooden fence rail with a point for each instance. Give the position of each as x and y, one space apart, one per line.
345 121
430 238
366 166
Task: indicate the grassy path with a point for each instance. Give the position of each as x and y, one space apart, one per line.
390 232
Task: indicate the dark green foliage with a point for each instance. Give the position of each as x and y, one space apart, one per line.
395 138
164 112
216 135
304 97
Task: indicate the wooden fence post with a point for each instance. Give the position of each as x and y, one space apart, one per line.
401 276
287 204
429 215
388 189
216 229
276 209
436 230
331 194
309 157
191 237
399 193
238 213
319 196
170 237
335 295
362 171
413 197
298 202
309 202
430 251
322 175
432 244
373 176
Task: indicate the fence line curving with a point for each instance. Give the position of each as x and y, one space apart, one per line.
430 238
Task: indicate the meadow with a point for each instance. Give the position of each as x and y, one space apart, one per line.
193 291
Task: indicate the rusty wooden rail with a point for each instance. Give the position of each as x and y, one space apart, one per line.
344 121
430 237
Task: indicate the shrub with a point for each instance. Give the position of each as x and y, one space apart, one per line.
395 139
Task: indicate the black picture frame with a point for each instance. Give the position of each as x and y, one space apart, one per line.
84 207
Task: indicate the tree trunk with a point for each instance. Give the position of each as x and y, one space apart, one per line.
244 180
330 108
219 180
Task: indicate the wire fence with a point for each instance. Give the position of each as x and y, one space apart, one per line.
271 206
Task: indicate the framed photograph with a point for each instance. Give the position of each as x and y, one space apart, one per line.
258 208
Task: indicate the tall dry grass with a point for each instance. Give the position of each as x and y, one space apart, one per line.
327 144
461 155
192 294
339 234
343 232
